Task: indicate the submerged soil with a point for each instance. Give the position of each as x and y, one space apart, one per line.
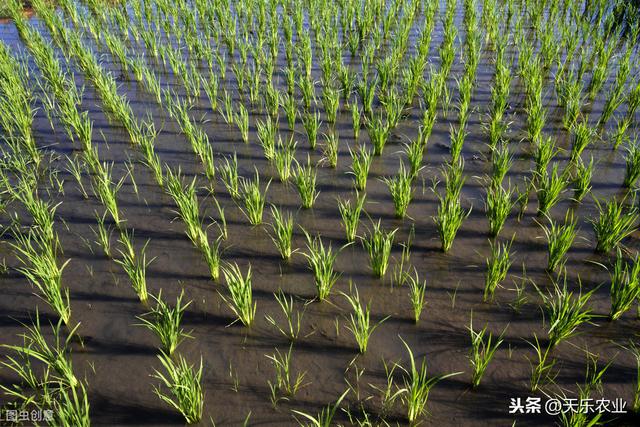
117 357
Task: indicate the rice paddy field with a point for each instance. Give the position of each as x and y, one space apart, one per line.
319 213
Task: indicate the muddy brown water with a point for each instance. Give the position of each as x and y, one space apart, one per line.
117 357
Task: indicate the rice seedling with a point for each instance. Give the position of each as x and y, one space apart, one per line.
254 198
360 320
164 321
549 188
311 123
378 130
614 224
635 350
450 213
240 300
330 149
498 265
417 290
559 237
106 190
282 227
360 164
356 118
498 204
632 162
134 265
378 246
326 415
565 311
305 178
542 370
625 285
351 215
483 349
321 260
242 121
501 161
293 320
184 383
285 383
283 158
291 110
401 190
582 180
418 385
582 137
544 152
103 234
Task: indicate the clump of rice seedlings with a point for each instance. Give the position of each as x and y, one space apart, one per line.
498 204
254 198
549 187
356 117
325 417
311 123
378 245
165 321
625 285
417 386
282 227
291 110
450 213
39 266
632 161
360 321
498 265
415 153
542 370
360 163
582 179
635 350
544 151
351 215
501 161
284 156
229 175
267 137
378 130
305 178
103 234
106 190
401 190
560 237
417 290
184 383
483 348
330 149
321 260
614 223
134 265
285 385
582 137
240 299
565 311
242 121
331 101
294 320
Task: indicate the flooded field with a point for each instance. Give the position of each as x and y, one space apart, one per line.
179 179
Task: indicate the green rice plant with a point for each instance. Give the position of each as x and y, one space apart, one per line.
635 351
311 123
614 223
134 265
418 385
267 136
483 349
498 204
164 321
330 149
549 187
211 86
294 321
305 178
632 161
559 237
103 234
565 311
450 213
360 164
582 180
360 320
378 246
39 266
184 385
401 190
498 265
75 167
501 161
285 383
226 110
331 101
415 153
582 137
542 370
254 198
242 121
544 151
321 260
291 110
378 130
326 415
282 227
351 215
417 290
284 156
240 300
356 118
106 190
625 285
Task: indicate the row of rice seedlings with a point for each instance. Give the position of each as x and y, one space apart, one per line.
483 349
